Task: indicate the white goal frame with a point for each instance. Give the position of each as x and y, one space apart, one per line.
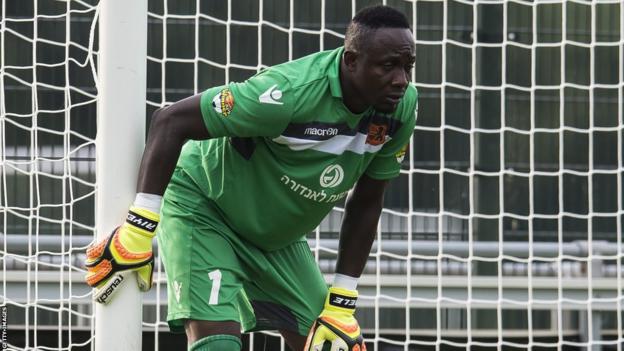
120 140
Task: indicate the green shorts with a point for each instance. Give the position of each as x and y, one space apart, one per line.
215 275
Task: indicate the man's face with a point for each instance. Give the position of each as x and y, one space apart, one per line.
382 71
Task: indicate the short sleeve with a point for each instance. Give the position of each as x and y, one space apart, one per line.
260 106
387 162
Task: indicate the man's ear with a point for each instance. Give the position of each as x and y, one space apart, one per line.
350 60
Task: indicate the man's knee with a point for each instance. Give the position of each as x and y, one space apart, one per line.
211 335
295 341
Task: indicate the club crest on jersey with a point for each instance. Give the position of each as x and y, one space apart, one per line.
376 134
401 154
223 102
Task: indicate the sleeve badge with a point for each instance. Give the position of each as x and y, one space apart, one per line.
223 102
401 154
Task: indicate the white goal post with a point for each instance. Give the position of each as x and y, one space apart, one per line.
120 140
503 230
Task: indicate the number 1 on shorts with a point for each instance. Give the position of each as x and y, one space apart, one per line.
215 276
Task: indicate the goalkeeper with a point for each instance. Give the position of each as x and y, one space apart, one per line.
250 168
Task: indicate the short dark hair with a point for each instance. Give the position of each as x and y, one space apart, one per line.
370 19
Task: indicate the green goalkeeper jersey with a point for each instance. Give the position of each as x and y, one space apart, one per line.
285 149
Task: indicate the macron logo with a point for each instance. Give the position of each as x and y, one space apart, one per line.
177 287
321 131
271 96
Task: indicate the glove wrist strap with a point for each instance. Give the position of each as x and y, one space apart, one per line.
142 221
341 300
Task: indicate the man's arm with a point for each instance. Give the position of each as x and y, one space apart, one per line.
336 323
359 225
129 247
170 128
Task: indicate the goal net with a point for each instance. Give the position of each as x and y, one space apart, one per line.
503 231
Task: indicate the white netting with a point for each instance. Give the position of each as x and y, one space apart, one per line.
47 130
503 230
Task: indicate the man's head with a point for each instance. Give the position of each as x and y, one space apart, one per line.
378 58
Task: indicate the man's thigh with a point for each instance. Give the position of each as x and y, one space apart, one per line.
288 291
204 275
214 274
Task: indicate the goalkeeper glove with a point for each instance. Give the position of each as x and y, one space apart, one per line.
336 324
128 248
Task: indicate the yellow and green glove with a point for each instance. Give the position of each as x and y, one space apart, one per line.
128 248
336 324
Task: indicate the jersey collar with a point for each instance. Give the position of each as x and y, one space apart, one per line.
333 76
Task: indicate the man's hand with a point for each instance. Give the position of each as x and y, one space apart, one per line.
128 248
336 324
